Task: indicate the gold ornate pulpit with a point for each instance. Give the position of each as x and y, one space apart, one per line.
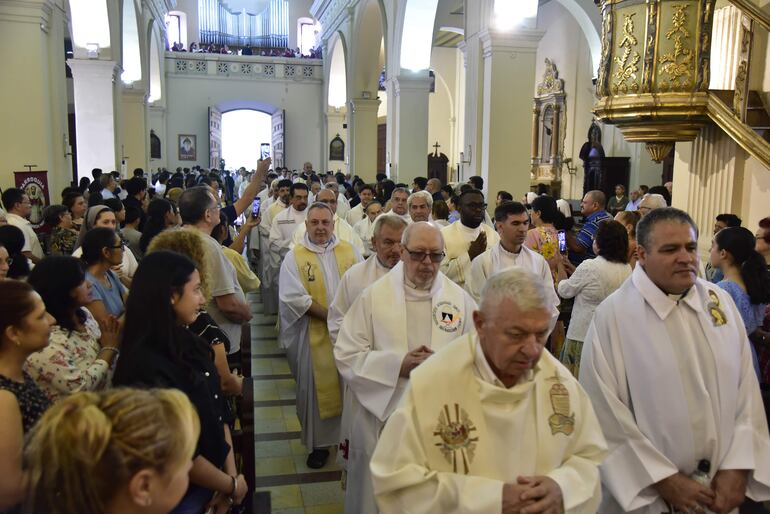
654 72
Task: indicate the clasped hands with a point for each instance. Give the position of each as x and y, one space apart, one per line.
414 359
727 492
533 495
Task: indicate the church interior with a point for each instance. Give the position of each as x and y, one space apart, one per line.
565 96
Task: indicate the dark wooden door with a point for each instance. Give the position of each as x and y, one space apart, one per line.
381 145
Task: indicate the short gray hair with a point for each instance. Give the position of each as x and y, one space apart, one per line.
389 220
320 205
647 224
653 201
519 285
400 190
413 226
420 194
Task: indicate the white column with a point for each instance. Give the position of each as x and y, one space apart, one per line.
95 114
363 137
474 106
509 78
135 136
410 126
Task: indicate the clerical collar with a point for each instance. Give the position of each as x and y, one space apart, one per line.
381 265
470 230
512 254
411 285
677 297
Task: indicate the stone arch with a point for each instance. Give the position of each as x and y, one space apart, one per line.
131 49
589 19
369 31
338 65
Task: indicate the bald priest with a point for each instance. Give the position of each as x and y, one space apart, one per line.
492 423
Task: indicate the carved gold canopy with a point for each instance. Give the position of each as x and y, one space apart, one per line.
654 72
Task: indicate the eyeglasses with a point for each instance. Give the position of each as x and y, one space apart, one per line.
420 256
119 247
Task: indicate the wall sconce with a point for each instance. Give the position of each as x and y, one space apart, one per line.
462 156
571 168
93 50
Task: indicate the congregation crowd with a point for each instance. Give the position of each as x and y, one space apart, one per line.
543 359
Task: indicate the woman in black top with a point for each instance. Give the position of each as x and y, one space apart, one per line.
159 351
24 329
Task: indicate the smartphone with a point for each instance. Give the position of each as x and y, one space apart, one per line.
255 205
264 149
562 242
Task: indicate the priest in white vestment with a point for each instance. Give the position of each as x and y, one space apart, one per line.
283 226
309 278
269 267
355 214
394 325
398 203
668 367
365 227
342 230
512 223
493 423
420 206
467 238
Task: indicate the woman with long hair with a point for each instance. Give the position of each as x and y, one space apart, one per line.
102 250
747 279
79 353
630 219
24 329
124 451
592 282
12 239
160 216
190 244
160 351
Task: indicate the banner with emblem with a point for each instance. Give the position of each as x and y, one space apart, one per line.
35 186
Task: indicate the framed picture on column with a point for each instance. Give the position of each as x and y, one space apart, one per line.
188 147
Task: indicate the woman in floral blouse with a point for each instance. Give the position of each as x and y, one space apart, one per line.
79 354
63 235
544 238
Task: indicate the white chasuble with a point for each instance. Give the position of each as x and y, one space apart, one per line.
388 320
497 259
294 336
457 239
676 387
457 437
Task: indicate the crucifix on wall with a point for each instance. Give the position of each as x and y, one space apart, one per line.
437 164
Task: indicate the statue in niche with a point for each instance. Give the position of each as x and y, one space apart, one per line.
592 154
337 149
545 151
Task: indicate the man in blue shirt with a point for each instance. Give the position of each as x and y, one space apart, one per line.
592 209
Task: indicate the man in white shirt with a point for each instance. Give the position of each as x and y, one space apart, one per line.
493 422
680 393
394 325
109 185
285 223
398 206
310 275
467 238
199 210
342 230
356 214
19 208
512 223
420 206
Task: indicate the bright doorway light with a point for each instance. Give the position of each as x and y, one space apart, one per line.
511 13
243 131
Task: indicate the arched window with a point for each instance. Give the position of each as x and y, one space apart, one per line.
307 34
176 28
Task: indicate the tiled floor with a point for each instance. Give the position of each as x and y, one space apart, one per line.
280 456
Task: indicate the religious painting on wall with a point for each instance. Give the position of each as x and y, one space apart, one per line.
187 147
337 149
35 186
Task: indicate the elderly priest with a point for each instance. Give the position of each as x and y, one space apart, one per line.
393 327
310 275
493 423
676 394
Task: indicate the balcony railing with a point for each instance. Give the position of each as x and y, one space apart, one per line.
244 67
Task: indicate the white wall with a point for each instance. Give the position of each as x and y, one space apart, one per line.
565 44
443 104
187 98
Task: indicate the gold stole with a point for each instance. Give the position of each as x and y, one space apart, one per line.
327 385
